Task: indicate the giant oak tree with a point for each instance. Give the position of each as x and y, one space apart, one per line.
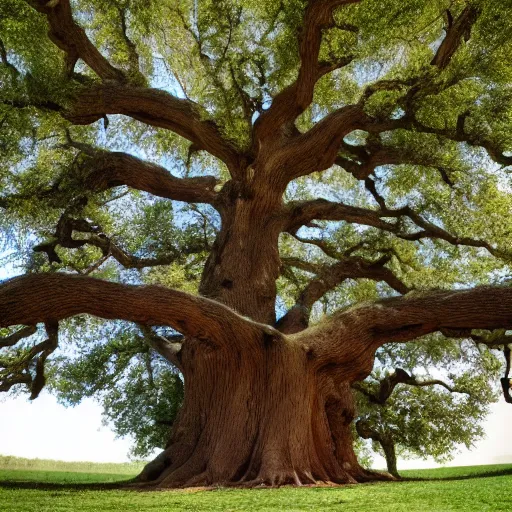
376 133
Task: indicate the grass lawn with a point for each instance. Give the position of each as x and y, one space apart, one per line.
56 487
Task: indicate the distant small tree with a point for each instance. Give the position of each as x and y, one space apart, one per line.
407 415
339 184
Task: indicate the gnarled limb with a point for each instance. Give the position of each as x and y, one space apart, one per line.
419 313
115 96
109 249
72 39
156 108
327 278
101 170
68 225
391 381
301 213
35 298
351 337
497 339
372 157
16 369
317 149
293 100
106 169
459 134
429 229
133 56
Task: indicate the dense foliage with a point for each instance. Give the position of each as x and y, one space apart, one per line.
444 175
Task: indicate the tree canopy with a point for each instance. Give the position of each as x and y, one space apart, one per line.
159 143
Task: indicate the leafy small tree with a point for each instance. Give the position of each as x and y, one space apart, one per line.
426 416
339 184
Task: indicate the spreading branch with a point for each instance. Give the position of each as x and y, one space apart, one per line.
64 237
459 134
428 229
389 383
116 96
497 339
327 278
104 170
373 157
318 148
293 100
36 298
359 331
28 366
156 108
133 56
422 313
303 213
67 35
15 337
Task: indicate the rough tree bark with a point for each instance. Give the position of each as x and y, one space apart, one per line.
265 403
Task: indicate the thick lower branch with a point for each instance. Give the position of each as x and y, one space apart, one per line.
353 335
38 298
113 169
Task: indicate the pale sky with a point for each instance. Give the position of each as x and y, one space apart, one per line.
46 430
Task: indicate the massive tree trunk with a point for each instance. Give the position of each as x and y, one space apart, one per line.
244 264
264 415
261 413
265 403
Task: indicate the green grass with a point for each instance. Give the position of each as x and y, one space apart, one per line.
126 468
468 489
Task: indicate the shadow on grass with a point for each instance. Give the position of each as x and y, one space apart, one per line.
125 484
